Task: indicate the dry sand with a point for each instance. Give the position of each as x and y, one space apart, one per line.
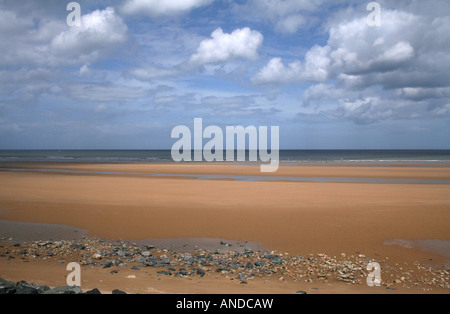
294 217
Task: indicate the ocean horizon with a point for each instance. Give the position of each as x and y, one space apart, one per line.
164 155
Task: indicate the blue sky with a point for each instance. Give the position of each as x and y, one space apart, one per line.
135 69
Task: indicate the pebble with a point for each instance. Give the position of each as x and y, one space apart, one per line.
201 272
351 269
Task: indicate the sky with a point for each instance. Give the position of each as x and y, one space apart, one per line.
132 70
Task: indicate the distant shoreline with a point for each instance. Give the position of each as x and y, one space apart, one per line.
286 156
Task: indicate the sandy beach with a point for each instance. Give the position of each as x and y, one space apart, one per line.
404 222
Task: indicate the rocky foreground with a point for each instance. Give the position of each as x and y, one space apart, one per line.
23 287
232 263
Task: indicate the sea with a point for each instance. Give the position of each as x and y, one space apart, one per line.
287 156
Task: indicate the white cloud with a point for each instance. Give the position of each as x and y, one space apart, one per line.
399 53
156 8
400 70
48 42
241 43
315 68
99 31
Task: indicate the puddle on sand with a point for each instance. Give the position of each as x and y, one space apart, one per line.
437 246
11 231
27 232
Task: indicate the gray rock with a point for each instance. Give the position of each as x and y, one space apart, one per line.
64 290
140 259
181 274
248 250
242 276
26 290
277 260
78 246
116 291
164 261
166 273
121 253
260 263
93 291
7 287
201 272
23 287
234 265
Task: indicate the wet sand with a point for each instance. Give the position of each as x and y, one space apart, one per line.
295 217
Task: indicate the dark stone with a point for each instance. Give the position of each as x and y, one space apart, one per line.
242 276
163 272
249 266
140 259
301 292
234 265
78 246
181 274
260 263
116 291
7 287
26 290
23 287
165 261
64 290
107 264
93 291
201 272
277 260
135 268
